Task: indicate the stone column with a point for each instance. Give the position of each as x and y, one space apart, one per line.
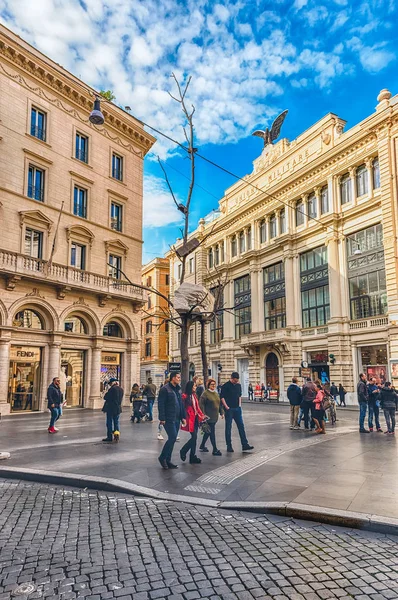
331 194
352 171
95 400
256 303
334 278
229 320
5 407
317 192
267 229
297 290
369 167
304 198
337 193
54 360
291 291
278 225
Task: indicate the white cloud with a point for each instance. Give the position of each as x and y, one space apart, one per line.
159 207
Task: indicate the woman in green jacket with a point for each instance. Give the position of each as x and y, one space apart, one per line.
211 406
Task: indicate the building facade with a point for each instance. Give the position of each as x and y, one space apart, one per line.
154 327
307 244
71 223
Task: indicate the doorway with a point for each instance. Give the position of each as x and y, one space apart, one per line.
272 372
24 378
72 376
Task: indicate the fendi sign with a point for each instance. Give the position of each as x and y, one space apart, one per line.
24 354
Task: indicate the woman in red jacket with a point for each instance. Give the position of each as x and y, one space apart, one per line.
194 417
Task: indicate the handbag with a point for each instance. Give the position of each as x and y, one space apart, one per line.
204 426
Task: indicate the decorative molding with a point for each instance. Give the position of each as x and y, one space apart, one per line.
103 299
35 216
118 194
80 302
79 176
12 281
62 290
117 245
37 156
118 308
34 294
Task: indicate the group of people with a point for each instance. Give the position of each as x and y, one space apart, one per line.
309 402
259 393
372 397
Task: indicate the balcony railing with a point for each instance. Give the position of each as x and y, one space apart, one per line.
26 266
38 132
369 323
81 155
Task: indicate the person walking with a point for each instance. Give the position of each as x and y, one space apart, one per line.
136 400
171 414
250 392
150 393
309 392
295 398
112 408
363 397
373 404
334 392
54 403
263 393
389 404
194 416
319 414
210 405
342 394
231 398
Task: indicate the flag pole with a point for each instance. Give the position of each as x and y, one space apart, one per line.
54 244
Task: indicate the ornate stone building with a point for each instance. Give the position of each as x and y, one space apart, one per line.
308 245
154 328
71 221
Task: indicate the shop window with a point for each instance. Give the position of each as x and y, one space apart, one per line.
300 213
28 319
362 180
374 361
263 231
376 173
112 329
345 189
324 200
74 324
311 206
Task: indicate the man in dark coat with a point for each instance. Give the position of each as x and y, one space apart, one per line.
54 403
363 398
171 414
309 392
113 407
150 392
295 398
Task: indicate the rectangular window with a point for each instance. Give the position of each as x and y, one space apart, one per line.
81 149
191 337
115 264
263 231
274 296
167 279
149 301
249 238
116 216
300 214
282 221
222 257
234 247
217 323
178 340
242 245
148 348
78 256
242 306
179 272
191 265
345 189
33 243
211 261
311 207
324 200
362 180
275 313
38 124
315 303
243 321
376 173
117 167
148 327
272 227
80 202
36 183
315 306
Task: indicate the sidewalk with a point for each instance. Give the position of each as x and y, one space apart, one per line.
342 471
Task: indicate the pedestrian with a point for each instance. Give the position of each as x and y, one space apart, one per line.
211 406
136 401
263 393
231 398
319 413
373 404
194 416
334 392
342 394
257 392
309 392
362 393
171 414
150 393
160 426
250 391
54 403
389 404
295 398
200 388
113 407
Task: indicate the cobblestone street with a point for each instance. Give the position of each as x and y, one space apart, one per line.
69 544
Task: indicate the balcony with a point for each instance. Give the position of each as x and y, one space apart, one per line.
265 337
369 323
16 266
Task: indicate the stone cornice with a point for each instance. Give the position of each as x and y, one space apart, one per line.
76 94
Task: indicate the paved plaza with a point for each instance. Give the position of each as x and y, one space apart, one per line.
61 543
341 470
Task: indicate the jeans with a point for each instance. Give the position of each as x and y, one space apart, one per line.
294 412
335 399
307 409
150 402
112 424
55 414
373 410
363 407
389 414
171 428
301 416
191 443
211 435
235 414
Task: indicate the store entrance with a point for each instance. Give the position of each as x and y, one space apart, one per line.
318 363
272 372
110 367
24 378
72 376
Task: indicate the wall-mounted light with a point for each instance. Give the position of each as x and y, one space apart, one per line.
96 117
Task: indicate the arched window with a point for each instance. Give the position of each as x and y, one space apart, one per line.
272 226
28 319
74 324
376 173
263 231
299 213
242 245
112 329
362 180
324 200
345 189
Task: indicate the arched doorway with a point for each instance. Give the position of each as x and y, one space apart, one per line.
272 371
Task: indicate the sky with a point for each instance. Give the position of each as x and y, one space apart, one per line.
248 61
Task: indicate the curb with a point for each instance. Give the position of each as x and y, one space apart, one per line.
342 518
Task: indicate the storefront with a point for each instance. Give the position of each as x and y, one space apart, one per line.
318 365
72 376
110 367
24 378
373 361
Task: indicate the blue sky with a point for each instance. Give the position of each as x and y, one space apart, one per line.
248 61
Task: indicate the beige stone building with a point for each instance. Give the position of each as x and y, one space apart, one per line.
154 328
308 244
65 312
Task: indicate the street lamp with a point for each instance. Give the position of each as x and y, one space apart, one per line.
96 117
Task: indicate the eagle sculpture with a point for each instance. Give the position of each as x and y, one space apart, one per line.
269 136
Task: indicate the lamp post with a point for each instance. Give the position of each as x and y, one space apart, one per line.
96 117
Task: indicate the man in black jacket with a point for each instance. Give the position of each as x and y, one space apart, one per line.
309 392
113 407
171 414
295 398
54 403
363 398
